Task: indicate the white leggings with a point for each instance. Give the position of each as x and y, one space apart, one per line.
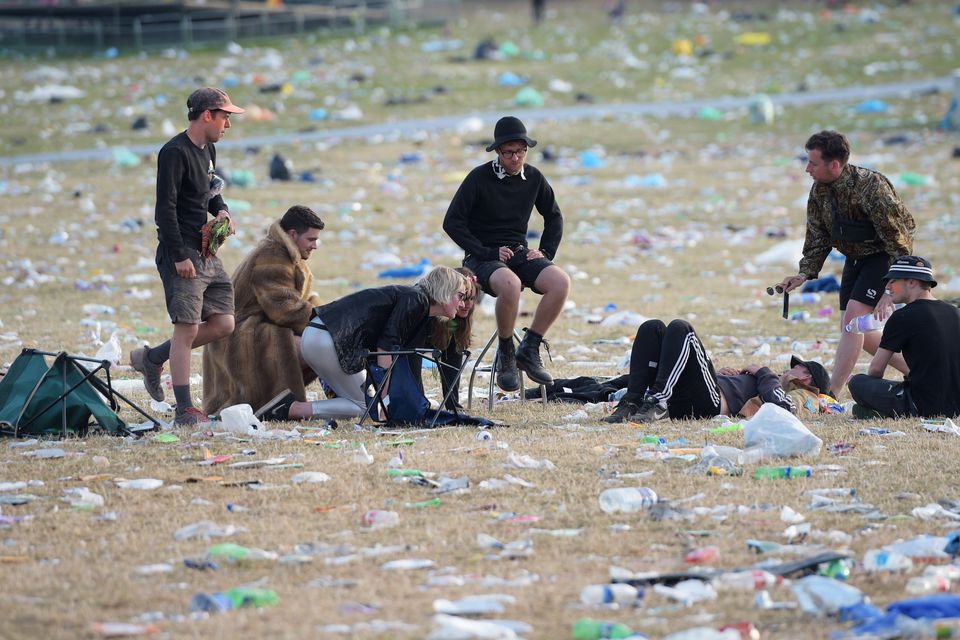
316 347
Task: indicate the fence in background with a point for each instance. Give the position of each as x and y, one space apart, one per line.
92 27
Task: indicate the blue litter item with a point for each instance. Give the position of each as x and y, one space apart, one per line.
407 271
590 160
318 114
510 79
934 607
230 81
940 605
859 613
436 46
826 284
410 158
873 106
654 180
953 544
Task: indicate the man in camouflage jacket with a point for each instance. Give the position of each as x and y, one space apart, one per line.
858 212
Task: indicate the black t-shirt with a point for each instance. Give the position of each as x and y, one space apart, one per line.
927 333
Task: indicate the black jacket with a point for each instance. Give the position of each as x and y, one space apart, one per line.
387 318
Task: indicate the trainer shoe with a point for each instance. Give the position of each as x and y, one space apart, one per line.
624 412
650 411
528 360
508 378
151 372
278 409
190 417
861 412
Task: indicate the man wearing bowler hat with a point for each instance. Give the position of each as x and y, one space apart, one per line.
927 332
488 219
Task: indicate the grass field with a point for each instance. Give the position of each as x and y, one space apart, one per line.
76 264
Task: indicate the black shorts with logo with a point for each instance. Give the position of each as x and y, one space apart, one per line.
862 279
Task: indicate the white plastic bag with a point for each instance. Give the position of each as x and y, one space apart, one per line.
777 432
239 418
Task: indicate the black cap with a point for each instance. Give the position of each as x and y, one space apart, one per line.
510 128
915 267
820 378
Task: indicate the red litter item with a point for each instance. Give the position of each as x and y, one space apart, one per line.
702 556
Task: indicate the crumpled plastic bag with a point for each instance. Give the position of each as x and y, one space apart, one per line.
239 419
777 432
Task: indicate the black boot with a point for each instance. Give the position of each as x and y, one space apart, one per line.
528 359
508 378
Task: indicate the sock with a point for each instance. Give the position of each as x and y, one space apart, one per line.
534 336
159 354
182 393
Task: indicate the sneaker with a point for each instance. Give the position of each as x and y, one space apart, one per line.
508 378
624 412
277 409
151 372
528 361
861 412
650 411
190 417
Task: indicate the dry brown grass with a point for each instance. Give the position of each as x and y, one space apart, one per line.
728 183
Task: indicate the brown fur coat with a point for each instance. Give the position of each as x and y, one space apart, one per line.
273 304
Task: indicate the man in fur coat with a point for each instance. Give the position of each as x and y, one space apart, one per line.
273 305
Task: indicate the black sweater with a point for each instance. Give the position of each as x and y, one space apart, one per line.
488 212
183 194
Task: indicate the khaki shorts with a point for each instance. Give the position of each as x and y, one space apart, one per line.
194 300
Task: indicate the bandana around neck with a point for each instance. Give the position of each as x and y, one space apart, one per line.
501 173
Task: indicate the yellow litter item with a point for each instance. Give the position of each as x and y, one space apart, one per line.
753 38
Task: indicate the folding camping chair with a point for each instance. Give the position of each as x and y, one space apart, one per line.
493 373
404 385
32 391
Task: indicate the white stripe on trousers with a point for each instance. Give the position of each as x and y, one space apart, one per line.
690 341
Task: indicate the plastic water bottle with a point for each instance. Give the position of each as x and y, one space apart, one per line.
235 598
627 499
752 580
880 560
622 594
864 323
588 629
920 585
380 519
761 473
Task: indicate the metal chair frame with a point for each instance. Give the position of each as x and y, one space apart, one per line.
493 374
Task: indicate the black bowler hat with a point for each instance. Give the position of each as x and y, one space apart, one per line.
915 267
820 378
510 128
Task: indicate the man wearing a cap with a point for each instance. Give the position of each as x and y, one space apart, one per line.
671 375
927 332
858 212
488 218
198 292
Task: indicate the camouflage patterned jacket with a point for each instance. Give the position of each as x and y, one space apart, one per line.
860 214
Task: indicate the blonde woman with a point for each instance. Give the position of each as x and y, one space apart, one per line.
341 335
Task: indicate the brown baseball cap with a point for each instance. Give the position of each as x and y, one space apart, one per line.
211 98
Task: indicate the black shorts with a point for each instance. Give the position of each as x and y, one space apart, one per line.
527 270
862 279
193 301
